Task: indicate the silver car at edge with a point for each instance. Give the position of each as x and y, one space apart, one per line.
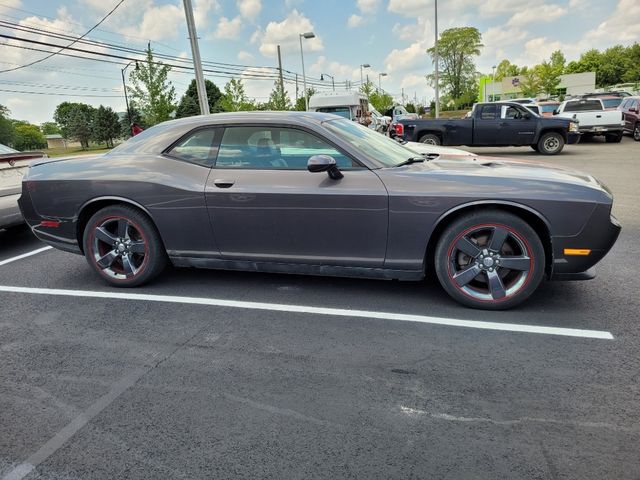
311 193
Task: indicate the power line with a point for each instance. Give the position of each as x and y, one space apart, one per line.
61 94
66 47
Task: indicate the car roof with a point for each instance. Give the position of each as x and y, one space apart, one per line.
266 116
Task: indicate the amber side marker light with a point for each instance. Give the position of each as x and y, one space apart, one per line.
577 251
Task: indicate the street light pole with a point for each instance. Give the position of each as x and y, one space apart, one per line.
124 86
197 62
333 81
436 61
364 65
304 77
380 75
493 83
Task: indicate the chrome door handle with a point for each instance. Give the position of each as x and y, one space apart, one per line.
223 183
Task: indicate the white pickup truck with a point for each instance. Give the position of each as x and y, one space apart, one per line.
593 119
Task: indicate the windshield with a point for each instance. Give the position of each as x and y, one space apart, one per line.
5 149
548 108
384 150
612 102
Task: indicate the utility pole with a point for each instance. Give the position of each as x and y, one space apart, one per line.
280 72
436 55
296 88
197 62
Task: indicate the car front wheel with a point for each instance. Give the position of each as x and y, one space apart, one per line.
636 132
490 260
550 143
123 246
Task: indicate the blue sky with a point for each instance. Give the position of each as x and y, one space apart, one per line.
391 35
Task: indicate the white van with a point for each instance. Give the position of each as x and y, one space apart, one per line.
346 103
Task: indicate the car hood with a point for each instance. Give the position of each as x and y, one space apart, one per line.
498 167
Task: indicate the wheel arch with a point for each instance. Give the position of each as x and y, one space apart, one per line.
90 207
563 133
430 131
535 219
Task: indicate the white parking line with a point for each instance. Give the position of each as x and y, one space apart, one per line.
24 255
399 317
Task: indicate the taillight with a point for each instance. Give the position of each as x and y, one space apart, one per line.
399 129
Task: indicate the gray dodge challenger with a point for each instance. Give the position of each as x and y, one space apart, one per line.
312 193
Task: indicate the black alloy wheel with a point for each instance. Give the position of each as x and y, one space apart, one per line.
492 260
123 246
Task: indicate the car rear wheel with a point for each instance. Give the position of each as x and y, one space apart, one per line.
123 246
613 138
550 143
430 139
491 260
636 132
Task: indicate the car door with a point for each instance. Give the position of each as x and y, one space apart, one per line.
515 127
265 205
486 125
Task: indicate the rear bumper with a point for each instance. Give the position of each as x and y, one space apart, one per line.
599 235
602 129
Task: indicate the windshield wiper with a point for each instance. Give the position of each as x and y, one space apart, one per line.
411 160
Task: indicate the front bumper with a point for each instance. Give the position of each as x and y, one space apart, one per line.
573 137
598 235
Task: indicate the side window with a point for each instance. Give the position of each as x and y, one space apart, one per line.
509 112
274 148
199 147
488 112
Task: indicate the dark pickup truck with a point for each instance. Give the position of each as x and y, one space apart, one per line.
494 124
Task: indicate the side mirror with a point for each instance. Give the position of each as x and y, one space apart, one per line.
556 112
324 163
527 116
633 110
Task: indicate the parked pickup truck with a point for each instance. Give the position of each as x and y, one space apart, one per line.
593 118
494 124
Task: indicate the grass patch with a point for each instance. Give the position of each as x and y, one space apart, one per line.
75 151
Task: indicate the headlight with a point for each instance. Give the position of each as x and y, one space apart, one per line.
573 127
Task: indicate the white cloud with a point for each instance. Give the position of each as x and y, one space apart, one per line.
412 80
354 21
7 5
538 13
249 9
368 6
285 34
412 57
158 23
202 11
244 56
227 29
538 49
622 26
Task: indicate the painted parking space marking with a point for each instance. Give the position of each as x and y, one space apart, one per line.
278 307
24 255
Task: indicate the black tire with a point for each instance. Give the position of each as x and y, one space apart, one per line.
494 285
613 137
535 147
550 143
123 246
430 139
636 132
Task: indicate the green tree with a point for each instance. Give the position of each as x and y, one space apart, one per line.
28 137
151 91
279 98
367 88
80 123
300 105
457 48
380 100
49 128
136 117
105 125
530 83
632 74
548 76
558 61
506 69
190 105
6 126
62 117
411 108
234 98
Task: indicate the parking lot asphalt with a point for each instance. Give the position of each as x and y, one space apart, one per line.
147 383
